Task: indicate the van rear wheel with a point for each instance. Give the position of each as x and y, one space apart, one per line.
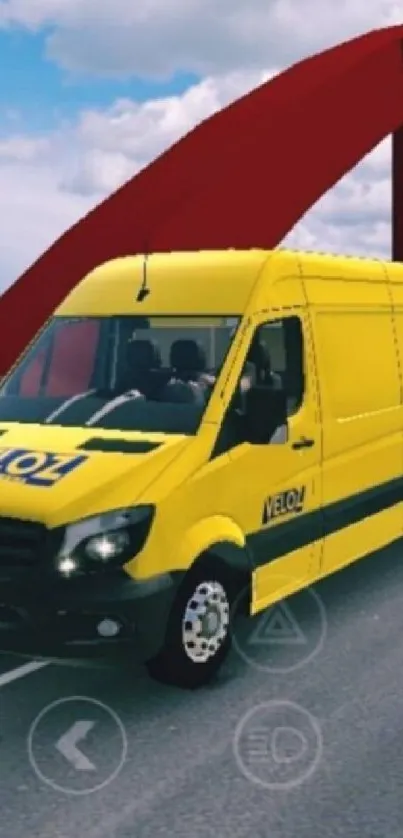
198 637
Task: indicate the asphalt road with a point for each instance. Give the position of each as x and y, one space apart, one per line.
302 735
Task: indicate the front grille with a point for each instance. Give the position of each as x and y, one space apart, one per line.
22 543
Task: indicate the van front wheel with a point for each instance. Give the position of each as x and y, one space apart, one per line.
198 636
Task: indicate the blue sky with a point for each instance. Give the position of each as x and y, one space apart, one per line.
92 91
43 94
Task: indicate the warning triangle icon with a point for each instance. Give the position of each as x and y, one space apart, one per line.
277 626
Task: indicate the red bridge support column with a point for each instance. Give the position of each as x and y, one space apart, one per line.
397 195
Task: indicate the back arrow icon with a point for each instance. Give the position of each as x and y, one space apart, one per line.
67 746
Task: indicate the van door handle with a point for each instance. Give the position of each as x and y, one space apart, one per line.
303 443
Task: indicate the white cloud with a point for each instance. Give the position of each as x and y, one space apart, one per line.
98 172
33 211
49 182
23 148
157 37
139 132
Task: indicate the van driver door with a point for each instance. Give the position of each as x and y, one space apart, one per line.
274 490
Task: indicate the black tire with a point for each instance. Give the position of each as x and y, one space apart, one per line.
173 665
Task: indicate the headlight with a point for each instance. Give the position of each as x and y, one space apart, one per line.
111 538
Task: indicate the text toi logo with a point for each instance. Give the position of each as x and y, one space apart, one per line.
283 503
36 468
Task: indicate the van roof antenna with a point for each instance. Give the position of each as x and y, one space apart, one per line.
144 288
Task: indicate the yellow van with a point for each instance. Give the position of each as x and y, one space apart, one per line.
194 425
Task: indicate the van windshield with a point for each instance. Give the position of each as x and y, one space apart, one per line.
131 373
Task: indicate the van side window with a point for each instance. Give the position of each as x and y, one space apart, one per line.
275 358
277 353
285 345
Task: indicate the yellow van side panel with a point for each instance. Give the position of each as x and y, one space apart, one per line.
395 274
361 397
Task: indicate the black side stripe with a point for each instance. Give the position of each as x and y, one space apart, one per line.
273 542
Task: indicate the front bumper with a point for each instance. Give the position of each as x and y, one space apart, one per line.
55 616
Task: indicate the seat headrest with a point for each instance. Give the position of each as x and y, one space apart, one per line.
143 354
259 354
182 392
187 355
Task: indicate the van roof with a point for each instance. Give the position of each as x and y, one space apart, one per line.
212 282
208 282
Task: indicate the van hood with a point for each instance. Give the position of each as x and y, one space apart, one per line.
58 474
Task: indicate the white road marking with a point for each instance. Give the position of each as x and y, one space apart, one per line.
21 671
67 745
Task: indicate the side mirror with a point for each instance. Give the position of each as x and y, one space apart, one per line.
265 412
